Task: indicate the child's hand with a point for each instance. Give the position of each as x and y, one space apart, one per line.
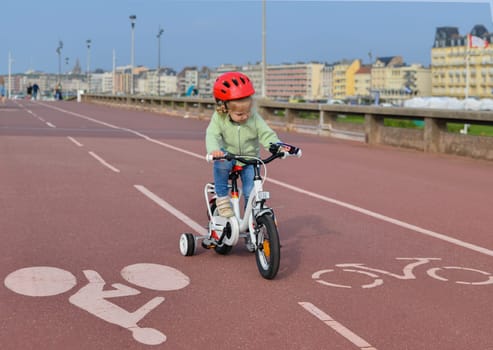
217 153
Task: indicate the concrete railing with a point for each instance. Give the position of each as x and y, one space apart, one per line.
328 120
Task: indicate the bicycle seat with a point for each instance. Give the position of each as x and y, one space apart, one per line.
237 169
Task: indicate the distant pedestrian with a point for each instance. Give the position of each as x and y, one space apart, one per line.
58 92
35 90
2 90
29 91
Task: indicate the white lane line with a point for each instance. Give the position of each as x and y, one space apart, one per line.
338 327
388 219
145 137
102 161
50 125
418 229
165 205
75 141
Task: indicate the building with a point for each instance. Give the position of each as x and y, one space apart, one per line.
362 84
385 74
343 79
327 78
459 70
294 81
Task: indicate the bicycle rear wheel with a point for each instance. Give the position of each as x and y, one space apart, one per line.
268 253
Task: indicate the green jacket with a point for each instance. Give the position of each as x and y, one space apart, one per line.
241 139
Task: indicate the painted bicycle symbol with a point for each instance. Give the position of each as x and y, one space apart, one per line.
478 277
41 281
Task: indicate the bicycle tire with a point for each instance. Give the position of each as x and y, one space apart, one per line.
268 253
187 244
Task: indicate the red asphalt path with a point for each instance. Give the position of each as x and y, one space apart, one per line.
72 212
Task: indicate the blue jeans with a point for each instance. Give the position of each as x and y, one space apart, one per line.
221 175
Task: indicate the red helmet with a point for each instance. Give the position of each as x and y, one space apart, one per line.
233 86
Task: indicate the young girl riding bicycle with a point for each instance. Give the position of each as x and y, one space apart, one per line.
235 128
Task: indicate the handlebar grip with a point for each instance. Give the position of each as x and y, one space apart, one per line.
291 150
210 158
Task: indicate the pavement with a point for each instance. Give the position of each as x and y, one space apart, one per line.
382 248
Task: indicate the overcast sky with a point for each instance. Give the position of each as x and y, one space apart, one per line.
210 33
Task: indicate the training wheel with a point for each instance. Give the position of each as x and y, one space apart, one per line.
187 244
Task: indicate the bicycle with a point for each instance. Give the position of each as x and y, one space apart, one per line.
257 225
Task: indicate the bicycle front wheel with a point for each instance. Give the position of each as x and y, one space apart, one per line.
268 253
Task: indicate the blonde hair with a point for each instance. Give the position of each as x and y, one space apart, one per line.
221 108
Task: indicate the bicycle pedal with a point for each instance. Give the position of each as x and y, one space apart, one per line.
208 243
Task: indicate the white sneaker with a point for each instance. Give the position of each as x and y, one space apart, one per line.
223 206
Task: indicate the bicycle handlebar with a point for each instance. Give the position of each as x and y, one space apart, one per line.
275 149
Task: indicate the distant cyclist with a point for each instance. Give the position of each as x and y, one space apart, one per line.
35 91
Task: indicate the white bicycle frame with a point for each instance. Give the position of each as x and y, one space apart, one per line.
239 225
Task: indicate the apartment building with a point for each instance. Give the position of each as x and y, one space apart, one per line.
100 83
343 78
459 70
299 81
395 81
327 77
362 83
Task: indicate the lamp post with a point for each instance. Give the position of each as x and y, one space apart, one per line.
66 67
88 70
59 52
9 93
132 22
264 61
160 32
370 56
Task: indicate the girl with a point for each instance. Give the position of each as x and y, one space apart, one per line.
236 129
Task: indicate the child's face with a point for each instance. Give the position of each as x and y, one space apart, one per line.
239 110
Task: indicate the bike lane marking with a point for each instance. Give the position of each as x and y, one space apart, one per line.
367 212
40 281
337 326
407 273
43 281
172 210
75 141
105 163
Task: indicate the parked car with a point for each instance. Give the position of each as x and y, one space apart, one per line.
335 102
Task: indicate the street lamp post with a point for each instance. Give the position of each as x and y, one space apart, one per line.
9 93
59 52
264 60
160 32
132 21
66 67
370 56
88 71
